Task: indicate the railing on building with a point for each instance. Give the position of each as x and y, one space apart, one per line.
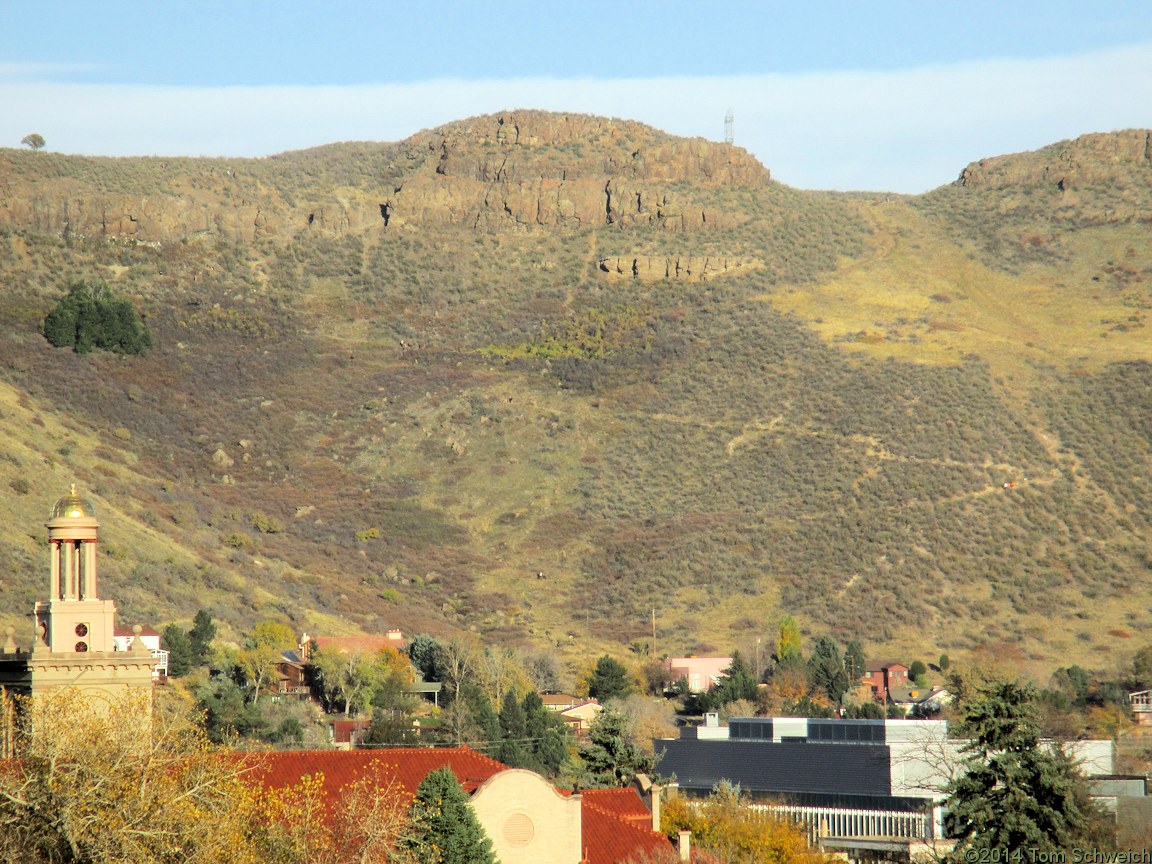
842 822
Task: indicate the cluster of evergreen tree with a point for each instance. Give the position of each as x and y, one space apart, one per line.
90 316
188 649
523 734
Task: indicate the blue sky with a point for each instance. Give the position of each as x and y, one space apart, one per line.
895 96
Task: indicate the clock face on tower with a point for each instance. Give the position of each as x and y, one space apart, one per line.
81 647
81 630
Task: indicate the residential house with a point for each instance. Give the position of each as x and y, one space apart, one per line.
350 644
882 675
1141 702
700 674
292 677
580 716
294 672
560 701
124 637
577 711
919 700
347 734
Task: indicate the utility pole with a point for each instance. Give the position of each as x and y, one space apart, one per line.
728 136
652 653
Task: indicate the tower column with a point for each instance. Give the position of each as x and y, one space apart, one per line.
68 553
57 588
90 570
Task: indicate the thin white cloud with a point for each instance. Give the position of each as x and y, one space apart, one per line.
903 131
43 71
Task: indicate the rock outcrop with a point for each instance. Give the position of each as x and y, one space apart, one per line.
653 268
498 172
539 169
1087 160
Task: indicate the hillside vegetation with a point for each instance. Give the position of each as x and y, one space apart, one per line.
537 375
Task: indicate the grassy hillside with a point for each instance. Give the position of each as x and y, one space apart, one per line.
901 419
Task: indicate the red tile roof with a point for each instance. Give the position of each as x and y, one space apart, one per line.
341 768
617 827
354 644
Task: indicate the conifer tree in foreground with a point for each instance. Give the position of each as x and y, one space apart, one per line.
442 827
609 756
1016 795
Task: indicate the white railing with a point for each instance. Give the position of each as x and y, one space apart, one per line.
842 822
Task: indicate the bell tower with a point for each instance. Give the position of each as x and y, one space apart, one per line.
73 642
74 619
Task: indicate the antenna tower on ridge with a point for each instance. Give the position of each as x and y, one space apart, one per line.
728 138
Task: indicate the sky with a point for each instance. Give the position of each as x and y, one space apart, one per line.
866 95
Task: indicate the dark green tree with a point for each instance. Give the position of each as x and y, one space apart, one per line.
738 681
227 713
867 711
515 749
547 734
485 722
424 654
89 316
34 140
609 756
1015 795
391 727
917 671
181 657
201 635
1142 668
392 716
609 679
442 828
826 670
854 664
1073 682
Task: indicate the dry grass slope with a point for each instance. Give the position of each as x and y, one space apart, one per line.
918 422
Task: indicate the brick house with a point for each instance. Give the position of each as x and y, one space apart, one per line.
882 676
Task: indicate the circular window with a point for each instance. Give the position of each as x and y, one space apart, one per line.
81 629
81 647
518 830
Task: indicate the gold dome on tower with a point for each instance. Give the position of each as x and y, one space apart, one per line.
72 506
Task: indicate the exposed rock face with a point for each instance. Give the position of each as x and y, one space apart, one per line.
497 172
1087 160
651 268
535 168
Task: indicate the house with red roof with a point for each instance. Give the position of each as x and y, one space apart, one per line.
350 644
527 818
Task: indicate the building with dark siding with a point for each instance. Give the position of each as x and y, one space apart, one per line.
842 778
